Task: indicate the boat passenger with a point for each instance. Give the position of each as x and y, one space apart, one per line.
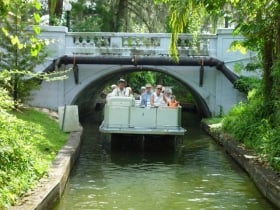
128 92
112 89
120 90
143 90
158 98
173 103
146 96
168 93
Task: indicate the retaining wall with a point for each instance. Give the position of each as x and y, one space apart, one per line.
266 179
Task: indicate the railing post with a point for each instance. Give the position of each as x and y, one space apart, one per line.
165 43
116 42
56 35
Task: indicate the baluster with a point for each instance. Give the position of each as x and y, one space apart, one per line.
133 41
180 43
91 42
125 41
84 41
106 41
77 40
140 42
155 42
205 46
151 42
98 41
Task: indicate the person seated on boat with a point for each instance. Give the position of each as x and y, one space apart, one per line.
158 98
168 93
112 89
173 103
146 96
143 90
120 90
128 92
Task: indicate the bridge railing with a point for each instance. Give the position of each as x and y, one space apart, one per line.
141 44
144 44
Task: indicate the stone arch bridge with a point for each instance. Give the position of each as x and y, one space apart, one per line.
204 67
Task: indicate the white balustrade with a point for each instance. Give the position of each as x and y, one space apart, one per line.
142 44
146 44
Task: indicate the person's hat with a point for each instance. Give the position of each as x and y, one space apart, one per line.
121 81
168 90
159 86
148 85
143 88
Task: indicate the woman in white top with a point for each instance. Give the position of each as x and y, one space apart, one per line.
157 98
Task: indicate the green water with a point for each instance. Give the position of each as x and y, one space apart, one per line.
202 176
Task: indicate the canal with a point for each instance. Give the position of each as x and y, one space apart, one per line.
201 176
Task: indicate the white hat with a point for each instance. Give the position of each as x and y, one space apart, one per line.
168 90
121 81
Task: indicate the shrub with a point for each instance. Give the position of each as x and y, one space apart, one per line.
251 124
27 147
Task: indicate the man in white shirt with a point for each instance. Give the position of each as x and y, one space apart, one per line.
120 90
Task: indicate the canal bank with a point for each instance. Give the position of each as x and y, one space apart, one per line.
266 179
50 188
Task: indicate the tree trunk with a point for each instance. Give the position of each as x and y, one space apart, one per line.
268 62
120 15
55 10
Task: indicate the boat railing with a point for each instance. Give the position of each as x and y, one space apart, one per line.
126 112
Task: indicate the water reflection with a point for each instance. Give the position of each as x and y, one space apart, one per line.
200 177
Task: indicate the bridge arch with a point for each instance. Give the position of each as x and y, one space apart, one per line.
97 85
208 79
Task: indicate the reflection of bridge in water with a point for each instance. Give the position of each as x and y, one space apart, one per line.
97 58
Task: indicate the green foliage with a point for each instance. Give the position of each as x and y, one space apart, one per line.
21 49
245 84
249 125
138 79
3 7
276 85
28 144
118 16
5 100
191 16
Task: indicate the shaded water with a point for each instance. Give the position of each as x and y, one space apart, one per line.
202 176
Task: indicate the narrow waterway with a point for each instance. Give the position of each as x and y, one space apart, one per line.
201 176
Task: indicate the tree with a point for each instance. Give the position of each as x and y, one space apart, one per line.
55 10
118 16
257 21
21 50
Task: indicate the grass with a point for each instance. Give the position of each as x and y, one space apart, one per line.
29 141
53 138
